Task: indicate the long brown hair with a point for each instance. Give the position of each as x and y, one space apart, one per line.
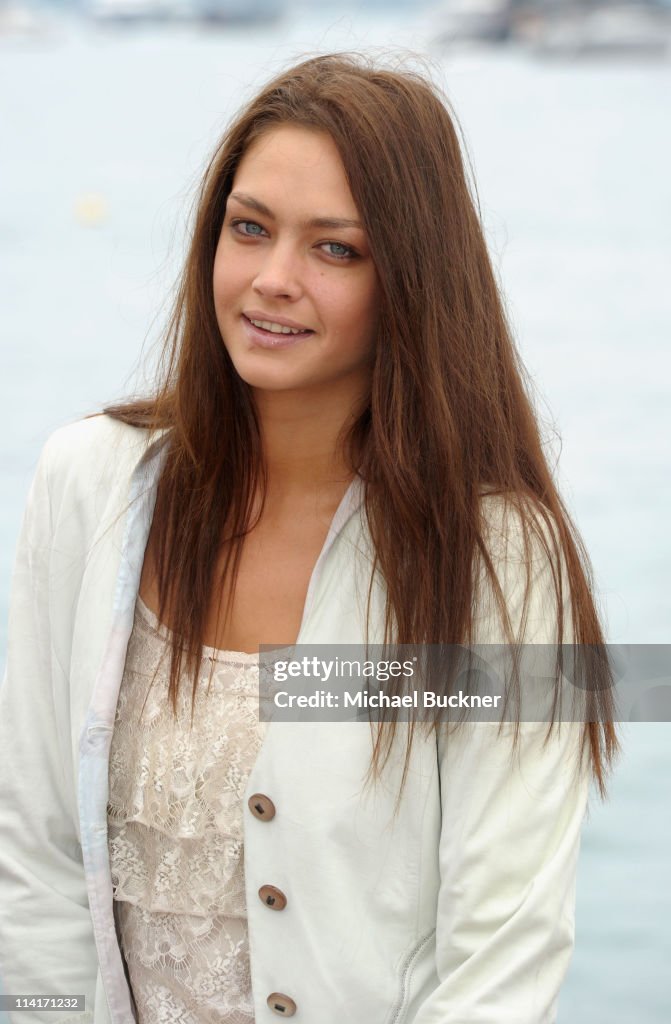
449 411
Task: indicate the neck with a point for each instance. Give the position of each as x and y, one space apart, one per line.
302 437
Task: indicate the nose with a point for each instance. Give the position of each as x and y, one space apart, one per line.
278 275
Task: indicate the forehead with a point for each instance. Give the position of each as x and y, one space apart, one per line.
299 166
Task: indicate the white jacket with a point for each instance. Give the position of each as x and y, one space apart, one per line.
458 909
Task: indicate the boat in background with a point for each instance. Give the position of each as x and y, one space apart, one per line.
554 28
222 12
233 12
627 30
129 13
471 21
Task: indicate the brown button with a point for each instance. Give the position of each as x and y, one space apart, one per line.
272 897
261 807
282 1005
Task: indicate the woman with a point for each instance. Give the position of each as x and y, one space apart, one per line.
340 450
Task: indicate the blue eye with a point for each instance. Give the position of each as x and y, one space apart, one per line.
247 227
251 227
339 250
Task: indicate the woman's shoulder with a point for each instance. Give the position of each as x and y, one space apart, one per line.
91 455
85 438
88 441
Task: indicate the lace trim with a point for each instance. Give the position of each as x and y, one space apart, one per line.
209 653
187 969
175 829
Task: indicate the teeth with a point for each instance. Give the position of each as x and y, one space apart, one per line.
268 325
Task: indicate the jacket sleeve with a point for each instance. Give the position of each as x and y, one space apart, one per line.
510 835
46 935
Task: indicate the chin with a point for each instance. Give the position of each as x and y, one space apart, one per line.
271 378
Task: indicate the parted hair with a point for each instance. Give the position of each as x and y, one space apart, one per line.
450 410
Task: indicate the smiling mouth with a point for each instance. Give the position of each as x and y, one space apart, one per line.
271 327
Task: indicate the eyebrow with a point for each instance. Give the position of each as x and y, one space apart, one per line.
314 222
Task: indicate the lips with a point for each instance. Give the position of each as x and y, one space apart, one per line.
261 316
277 339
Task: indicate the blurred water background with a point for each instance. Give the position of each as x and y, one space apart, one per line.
106 125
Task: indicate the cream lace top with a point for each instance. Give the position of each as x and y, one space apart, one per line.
175 831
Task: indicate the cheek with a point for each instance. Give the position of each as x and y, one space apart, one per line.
348 306
227 275
223 289
219 279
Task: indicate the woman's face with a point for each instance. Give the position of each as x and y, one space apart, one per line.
293 255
